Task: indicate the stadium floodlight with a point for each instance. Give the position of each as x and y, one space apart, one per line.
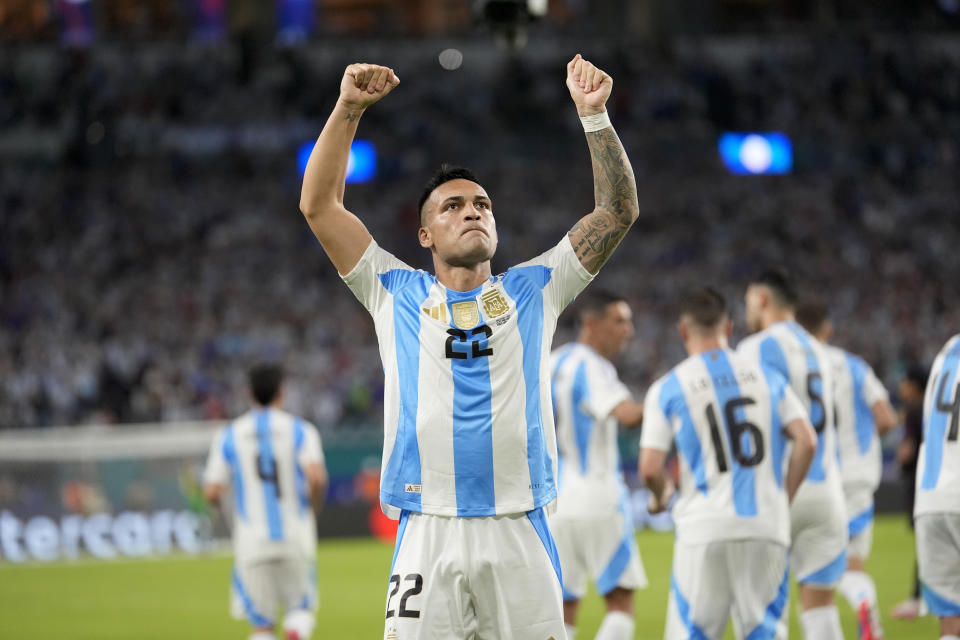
361 163
756 153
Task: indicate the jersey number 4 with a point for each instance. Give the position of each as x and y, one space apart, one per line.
748 456
951 407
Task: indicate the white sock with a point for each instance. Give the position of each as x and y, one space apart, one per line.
262 635
571 631
301 621
616 625
821 623
949 637
857 587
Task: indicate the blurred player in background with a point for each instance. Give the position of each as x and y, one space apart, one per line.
937 509
729 417
274 464
912 390
592 526
863 415
469 459
818 556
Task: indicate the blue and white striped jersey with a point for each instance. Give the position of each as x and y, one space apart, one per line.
788 348
585 390
938 467
261 456
856 390
468 426
726 416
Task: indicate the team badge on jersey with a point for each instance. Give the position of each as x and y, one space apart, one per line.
494 303
466 315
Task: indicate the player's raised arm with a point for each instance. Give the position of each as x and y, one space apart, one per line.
341 233
616 207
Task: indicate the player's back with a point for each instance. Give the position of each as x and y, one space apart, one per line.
585 390
789 349
724 414
938 467
856 389
272 512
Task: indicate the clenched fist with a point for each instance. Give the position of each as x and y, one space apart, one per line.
589 86
364 84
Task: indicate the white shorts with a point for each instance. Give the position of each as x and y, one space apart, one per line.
259 588
938 561
602 548
485 577
743 579
818 531
859 503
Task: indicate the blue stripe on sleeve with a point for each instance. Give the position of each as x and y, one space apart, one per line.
269 477
230 454
864 425
817 472
525 286
409 290
674 403
472 425
582 423
726 388
298 438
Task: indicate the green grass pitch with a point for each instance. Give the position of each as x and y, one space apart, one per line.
183 597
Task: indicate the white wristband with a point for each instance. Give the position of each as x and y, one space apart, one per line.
595 122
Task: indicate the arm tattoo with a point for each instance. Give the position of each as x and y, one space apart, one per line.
350 117
596 235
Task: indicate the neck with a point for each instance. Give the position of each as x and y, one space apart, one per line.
701 343
462 278
590 340
775 315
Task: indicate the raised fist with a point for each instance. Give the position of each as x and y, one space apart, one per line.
363 84
589 86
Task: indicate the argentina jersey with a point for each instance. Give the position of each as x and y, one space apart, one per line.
938 465
585 390
262 456
856 391
725 414
786 347
468 426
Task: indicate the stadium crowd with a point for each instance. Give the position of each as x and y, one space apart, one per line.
151 246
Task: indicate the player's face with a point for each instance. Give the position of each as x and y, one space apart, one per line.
755 301
616 327
459 224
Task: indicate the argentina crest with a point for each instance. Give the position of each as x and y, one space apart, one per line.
494 303
466 315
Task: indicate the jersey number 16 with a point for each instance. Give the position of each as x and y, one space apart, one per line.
738 429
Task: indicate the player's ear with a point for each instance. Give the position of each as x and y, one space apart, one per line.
425 237
683 330
727 328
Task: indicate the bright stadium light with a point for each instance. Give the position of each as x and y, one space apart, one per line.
756 153
361 164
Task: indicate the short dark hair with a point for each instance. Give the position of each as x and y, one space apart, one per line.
705 306
265 381
445 173
917 374
781 284
595 302
812 315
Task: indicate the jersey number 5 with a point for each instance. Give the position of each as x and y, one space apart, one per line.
951 407
737 429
